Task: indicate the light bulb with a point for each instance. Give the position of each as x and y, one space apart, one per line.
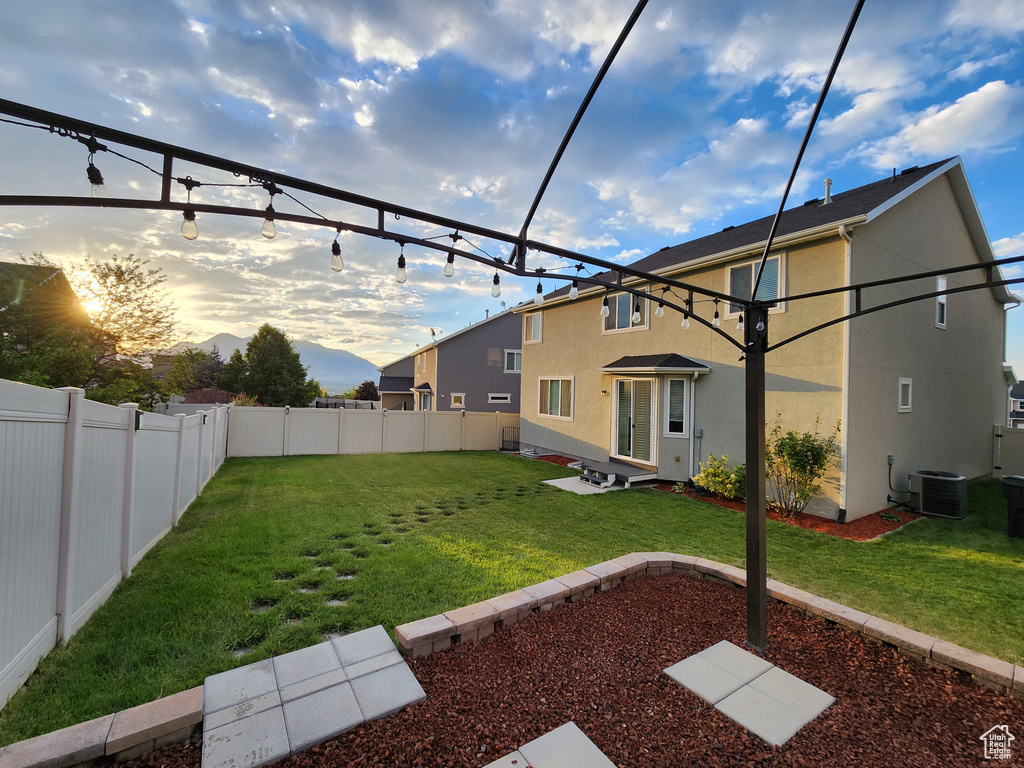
760 326
336 262
660 311
449 267
636 313
574 291
739 324
189 230
269 231
604 308
539 298
715 322
686 322
496 286
400 275
96 180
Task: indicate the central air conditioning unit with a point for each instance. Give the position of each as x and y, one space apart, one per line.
938 494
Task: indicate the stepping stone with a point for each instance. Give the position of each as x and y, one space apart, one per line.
321 716
238 685
387 691
247 743
565 747
308 662
762 715
362 645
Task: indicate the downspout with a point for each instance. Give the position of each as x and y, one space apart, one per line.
844 432
693 438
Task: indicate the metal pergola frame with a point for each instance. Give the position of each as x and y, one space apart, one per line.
755 313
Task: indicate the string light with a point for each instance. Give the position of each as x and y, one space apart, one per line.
604 307
337 264
739 323
269 231
686 321
449 267
539 298
400 274
660 311
688 304
574 290
96 180
496 285
760 326
715 321
189 230
636 312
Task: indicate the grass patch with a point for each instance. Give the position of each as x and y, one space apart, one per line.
230 579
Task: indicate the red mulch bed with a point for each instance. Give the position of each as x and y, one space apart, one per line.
554 458
861 529
599 662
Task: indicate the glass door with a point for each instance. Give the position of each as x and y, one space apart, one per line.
634 422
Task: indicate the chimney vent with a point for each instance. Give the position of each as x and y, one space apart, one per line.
828 191
487 313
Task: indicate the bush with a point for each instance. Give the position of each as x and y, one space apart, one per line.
794 464
718 478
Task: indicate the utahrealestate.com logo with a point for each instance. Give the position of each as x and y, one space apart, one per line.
997 742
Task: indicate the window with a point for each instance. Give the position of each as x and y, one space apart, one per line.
513 361
426 402
458 400
621 307
531 327
741 280
906 387
556 398
499 397
940 303
675 408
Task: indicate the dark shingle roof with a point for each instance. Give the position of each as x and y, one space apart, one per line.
1017 392
395 384
670 361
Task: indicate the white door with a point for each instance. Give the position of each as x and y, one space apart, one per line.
634 419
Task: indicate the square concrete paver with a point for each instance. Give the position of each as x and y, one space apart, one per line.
308 662
762 715
511 760
247 743
735 660
386 691
362 645
313 684
565 747
373 664
238 685
244 709
707 680
792 692
321 716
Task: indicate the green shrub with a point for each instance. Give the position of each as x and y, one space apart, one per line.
717 477
794 464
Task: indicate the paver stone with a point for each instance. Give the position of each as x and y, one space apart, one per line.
386 691
155 719
762 715
700 676
238 685
308 662
361 668
321 716
565 747
792 692
247 743
734 660
66 747
362 645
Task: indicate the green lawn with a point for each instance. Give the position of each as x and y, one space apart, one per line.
259 562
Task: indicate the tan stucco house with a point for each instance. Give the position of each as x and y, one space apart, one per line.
922 382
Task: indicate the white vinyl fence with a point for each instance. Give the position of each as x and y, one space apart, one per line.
1007 451
296 431
85 490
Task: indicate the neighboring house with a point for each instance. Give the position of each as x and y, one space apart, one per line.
922 382
1017 405
209 396
395 385
476 369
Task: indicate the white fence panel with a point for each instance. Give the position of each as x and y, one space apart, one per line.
256 431
156 442
313 430
1007 451
32 423
480 432
220 438
444 431
362 431
189 473
96 523
206 432
404 431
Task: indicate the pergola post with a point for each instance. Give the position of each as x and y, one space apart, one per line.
757 567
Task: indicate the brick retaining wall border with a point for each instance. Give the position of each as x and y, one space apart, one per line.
137 731
474 622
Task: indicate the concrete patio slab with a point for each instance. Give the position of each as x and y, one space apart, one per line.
238 685
575 485
762 715
321 716
308 662
736 661
387 691
707 680
793 693
362 645
565 747
313 684
361 668
247 743
242 710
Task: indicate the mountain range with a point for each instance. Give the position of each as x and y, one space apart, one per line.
335 369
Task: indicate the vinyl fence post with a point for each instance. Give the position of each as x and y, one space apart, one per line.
69 509
462 431
199 451
128 515
176 503
284 439
426 429
384 431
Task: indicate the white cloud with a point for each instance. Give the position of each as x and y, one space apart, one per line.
1005 247
996 17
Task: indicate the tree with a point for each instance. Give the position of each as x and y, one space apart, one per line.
193 369
366 391
270 370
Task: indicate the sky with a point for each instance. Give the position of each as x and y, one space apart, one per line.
456 107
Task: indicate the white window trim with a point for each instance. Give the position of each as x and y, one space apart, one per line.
572 397
780 305
540 319
900 407
505 359
687 389
645 325
499 397
655 410
461 395
940 285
